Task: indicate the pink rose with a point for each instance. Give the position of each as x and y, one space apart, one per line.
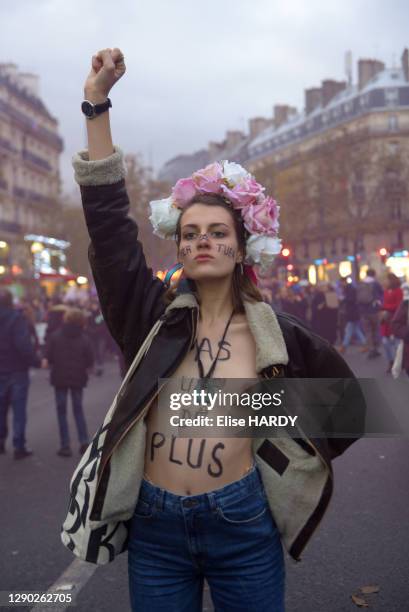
245 193
262 218
208 180
183 191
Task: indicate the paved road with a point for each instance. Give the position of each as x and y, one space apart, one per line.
362 540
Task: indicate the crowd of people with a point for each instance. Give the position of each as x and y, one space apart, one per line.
71 340
346 312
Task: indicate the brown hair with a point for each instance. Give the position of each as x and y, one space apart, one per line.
241 284
74 316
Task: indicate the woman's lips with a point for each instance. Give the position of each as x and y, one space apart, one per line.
203 257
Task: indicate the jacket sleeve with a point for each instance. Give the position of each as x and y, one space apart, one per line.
348 410
400 322
129 294
313 357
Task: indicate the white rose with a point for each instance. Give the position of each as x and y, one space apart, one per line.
262 249
164 217
234 173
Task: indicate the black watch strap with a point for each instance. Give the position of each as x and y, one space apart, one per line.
101 108
91 110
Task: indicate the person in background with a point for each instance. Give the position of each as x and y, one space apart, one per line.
370 298
400 325
392 297
69 355
293 302
341 323
351 316
55 316
17 355
324 309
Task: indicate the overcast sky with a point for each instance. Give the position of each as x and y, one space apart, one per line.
194 69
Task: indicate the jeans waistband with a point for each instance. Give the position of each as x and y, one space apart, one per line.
230 493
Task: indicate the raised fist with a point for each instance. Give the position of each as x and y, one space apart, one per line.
107 68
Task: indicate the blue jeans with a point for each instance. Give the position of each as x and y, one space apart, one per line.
61 396
390 344
14 392
227 536
351 328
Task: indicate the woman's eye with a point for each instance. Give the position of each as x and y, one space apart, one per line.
218 234
189 235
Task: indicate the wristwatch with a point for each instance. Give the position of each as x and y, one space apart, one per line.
93 110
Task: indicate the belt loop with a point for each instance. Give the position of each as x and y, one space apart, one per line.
159 502
212 501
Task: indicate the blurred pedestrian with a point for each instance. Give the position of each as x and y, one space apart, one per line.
400 328
392 297
17 355
324 312
370 298
69 355
351 314
293 302
55 316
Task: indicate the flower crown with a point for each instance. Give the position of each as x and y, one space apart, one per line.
231 181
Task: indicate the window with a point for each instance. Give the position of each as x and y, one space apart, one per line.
393 123
391 96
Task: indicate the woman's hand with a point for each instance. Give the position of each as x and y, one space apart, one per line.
107 68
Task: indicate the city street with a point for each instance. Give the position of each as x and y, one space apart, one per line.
362 540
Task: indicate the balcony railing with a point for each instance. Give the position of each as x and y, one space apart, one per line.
38 161
33 126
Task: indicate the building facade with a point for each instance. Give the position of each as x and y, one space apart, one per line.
30 148
340 170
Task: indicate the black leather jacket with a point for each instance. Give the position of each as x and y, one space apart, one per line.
131 302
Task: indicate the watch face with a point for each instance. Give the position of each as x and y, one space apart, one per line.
87 108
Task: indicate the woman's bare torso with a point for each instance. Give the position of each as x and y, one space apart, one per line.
190 466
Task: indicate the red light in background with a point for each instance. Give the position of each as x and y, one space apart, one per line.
285 252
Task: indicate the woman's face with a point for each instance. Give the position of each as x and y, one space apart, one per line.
208 247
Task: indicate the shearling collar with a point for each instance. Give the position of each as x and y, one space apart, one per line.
263 324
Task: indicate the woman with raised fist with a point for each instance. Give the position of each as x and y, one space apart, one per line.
189 509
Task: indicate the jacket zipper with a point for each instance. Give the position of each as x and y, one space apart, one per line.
143 411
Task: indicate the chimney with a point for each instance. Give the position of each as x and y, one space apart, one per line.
282 113
30 82
9 70
233 138
367 69
257 125
330 88
405 64
312 99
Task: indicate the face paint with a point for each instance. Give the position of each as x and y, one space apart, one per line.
226 250
184 251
